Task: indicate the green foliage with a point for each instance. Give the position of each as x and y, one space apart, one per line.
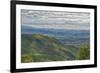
84 52
42 48
26 58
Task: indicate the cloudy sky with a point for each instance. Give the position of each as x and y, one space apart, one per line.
55 19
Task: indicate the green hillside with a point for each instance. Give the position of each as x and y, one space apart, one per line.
42 48
84 52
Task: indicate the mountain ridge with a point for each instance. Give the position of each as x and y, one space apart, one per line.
38 47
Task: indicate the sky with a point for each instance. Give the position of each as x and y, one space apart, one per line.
55 19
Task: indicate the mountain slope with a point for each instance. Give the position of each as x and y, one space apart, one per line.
40 48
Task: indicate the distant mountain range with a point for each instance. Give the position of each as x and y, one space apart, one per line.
64 36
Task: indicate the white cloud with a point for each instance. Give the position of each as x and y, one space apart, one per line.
54 19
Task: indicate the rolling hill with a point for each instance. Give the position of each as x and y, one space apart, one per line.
42 48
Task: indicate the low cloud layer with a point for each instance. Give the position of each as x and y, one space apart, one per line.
55 19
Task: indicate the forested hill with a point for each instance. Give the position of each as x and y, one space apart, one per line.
39 48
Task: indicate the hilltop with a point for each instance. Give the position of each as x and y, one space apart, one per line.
40 48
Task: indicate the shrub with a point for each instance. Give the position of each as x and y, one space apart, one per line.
84 52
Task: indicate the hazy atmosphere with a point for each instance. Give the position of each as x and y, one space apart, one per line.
54 36
56 20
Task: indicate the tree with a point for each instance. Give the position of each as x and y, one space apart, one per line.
84 52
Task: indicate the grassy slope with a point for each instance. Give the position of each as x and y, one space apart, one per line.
41 48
